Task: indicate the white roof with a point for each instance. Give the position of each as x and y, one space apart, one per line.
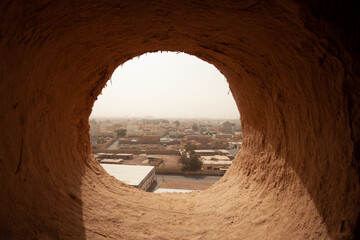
204 151
223 151
219 162
130 174
111 160
166 139
216 158
163 190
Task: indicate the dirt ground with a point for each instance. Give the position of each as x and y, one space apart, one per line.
137 160
170 161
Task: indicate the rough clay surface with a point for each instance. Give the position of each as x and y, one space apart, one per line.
295 83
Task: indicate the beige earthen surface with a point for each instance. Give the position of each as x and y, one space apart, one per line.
295 84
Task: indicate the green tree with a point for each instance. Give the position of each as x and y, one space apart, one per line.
188 159
121 132
195 128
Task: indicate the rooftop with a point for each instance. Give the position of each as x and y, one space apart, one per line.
223 151
216 158
204 151
214 162
112 161
171 190
130 174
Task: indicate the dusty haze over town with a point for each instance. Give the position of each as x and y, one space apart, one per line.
166 85
163 116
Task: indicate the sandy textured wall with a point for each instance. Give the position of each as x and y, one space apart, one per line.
294 76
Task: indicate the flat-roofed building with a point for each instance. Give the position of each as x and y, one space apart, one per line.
228 127
215 164
215 158
154 160
94 128
223 152
220 165
204 138
172 190
205 152
235 145
150 139
100 156
192 137
223 136
137 176
125 156
112 161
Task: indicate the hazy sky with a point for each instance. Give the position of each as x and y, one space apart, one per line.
167 85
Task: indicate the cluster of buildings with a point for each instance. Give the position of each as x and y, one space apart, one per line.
204 134
148 142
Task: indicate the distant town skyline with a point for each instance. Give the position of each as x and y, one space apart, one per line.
166 85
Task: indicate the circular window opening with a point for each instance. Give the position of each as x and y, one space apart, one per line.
166 122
